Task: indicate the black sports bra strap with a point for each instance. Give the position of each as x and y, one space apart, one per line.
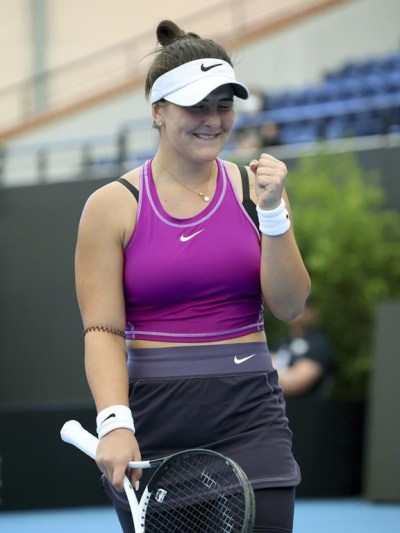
245 183
129 186
247 202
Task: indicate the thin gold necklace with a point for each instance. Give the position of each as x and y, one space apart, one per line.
204 196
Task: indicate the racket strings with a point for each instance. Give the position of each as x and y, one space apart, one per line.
199 494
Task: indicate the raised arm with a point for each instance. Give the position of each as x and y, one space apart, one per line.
284 279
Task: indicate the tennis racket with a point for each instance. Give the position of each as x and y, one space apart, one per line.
195 491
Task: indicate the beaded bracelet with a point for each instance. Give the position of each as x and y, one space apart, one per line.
114 331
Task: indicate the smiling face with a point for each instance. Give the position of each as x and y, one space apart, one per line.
197 132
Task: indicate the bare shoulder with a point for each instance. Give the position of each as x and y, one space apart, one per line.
233 169
234 172
107 196
111 208
133 176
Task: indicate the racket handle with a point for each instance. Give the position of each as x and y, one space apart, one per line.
73 433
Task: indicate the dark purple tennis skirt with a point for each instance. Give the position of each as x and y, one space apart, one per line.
222 397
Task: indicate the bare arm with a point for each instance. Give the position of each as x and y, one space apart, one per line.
98 267
285 281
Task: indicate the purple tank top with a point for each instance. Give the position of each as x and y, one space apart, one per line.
195 279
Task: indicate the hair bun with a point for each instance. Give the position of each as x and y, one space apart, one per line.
168 32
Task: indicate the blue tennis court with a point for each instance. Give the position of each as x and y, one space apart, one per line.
312 516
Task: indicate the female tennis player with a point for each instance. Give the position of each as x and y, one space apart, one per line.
174 264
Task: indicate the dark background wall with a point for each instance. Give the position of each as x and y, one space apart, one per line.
382 458
41 348
386 161
42 380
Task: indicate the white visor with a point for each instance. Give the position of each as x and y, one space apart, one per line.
191 82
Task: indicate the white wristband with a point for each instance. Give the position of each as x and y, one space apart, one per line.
275 221
114 417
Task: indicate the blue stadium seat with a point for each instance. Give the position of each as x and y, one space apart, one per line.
373 85
361 98
298 132
335 128
307 96
391 62
350 87
368 123
282 100
392 81
368 67
329 91
287 133
359 125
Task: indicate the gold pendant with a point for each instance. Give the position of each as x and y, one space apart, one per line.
205 197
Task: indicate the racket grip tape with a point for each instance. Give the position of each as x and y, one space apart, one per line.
73 433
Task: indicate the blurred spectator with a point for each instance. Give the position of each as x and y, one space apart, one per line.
247 139
269 134
255 103
255 137
304 359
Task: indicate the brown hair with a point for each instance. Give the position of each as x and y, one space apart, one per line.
177 48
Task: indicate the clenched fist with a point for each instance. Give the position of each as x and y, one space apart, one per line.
270 174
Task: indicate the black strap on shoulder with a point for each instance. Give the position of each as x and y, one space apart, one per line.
247 202
245 183
129 186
